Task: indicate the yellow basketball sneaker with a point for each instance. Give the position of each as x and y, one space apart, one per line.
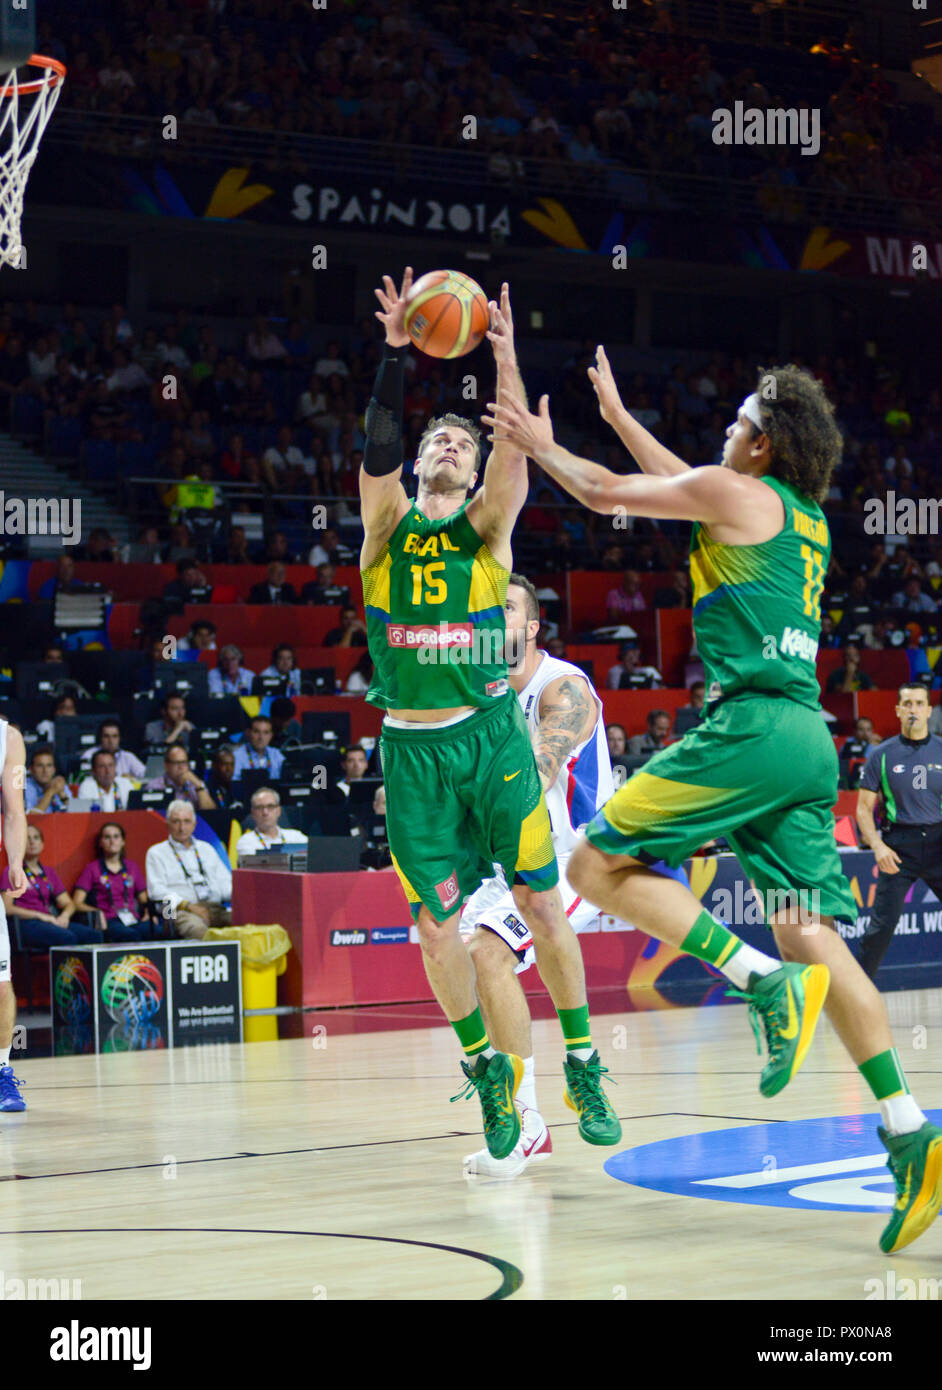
789 1003
916 1164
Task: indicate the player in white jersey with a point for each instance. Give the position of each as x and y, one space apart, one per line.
12 781
567 731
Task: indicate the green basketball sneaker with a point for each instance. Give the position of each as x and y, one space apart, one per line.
916 1164
496 1082
598 1123
788 1002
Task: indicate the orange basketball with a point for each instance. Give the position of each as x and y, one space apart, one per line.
447 313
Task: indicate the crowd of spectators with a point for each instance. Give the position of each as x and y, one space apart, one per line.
571 86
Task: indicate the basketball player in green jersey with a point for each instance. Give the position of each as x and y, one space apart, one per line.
761 768
462 788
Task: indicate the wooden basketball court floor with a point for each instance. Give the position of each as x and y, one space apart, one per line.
284 1170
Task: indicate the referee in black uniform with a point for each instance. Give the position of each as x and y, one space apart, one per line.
906 773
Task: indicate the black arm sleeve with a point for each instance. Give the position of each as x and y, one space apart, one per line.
383 451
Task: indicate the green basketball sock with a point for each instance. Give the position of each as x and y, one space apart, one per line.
577 1034
712 941
884 1075
887 1080
472 1034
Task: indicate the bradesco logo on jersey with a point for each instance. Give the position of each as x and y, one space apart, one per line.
428 635
832 1164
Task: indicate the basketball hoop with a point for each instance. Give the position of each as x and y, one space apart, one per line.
21 129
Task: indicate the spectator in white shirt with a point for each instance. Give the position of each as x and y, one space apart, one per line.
312 402
103 787
109 741
262 345
127 375
114 76
331 363
170 351
187 877
268 834
42 361
281 456
230 676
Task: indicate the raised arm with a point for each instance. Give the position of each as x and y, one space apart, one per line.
567 717
709 494
497 504
649 453
383 500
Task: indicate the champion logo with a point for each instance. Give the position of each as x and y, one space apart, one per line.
428 635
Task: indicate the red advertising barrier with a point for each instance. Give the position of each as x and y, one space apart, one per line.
69 840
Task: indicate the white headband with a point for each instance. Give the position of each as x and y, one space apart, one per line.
750 408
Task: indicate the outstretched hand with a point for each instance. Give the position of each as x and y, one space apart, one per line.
393 313
512 423
501 332
603 383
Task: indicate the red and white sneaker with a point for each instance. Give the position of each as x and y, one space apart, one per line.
534 1142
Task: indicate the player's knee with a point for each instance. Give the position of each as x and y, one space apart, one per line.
433 934
584 868
800 941
538 908
489 953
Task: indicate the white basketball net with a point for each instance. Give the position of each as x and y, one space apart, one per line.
23 118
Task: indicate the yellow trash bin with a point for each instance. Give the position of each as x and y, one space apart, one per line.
264 958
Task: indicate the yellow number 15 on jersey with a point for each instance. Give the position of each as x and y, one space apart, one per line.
436 588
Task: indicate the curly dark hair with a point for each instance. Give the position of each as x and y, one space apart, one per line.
457 422
805 442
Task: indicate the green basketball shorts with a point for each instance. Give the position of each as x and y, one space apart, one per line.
760 772
462 799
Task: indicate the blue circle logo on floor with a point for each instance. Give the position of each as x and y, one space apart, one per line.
831 1164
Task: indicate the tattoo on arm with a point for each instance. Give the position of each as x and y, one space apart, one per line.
566 715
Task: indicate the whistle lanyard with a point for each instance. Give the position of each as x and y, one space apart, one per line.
127 890
280 841
44 897
199 863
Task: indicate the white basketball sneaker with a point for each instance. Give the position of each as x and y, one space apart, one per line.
534 1142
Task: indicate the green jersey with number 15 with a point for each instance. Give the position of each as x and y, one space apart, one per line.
434 600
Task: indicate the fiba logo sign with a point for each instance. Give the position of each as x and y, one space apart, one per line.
204 969
72 991
132 989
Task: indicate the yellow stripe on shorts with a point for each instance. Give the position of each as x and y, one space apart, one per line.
409 891
646 799
536 839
